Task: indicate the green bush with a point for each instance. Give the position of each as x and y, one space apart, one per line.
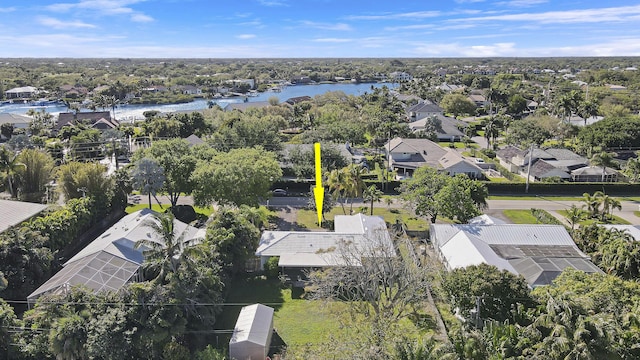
271 269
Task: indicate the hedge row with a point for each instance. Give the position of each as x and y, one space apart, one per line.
571 189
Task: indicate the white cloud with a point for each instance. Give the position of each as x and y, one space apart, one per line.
7 10
272 3
60 24
246 36
522 3
410 27
397 16
612 14
141 18
333 40
327 26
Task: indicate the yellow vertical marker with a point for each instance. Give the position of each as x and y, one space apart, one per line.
318 191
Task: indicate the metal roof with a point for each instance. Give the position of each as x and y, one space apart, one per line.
537 252
362 233
254 324
14 212
112 259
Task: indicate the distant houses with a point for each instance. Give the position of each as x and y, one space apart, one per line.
561 164
100 120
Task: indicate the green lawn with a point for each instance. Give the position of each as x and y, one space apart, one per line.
299 322
530 197
309 218
615 220
520 216
155 207
636 213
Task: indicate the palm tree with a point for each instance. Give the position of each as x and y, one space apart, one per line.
372 193
336 184
604 160
148 177
575 215
9 164
354 184
592 204
167 251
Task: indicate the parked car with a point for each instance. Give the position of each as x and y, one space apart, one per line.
279 192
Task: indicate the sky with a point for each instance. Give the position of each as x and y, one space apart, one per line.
318 28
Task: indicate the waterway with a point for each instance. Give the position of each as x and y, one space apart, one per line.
127 112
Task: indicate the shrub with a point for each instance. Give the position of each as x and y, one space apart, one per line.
271 267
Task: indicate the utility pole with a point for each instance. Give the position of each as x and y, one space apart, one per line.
526 189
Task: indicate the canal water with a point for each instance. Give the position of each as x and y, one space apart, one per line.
132 112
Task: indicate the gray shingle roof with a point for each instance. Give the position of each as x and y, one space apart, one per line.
14 212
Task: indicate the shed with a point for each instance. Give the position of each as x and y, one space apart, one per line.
252 334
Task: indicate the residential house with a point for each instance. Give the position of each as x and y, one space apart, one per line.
72 91
407 155
594 174
547 163
112 259
355 238
400 76
190 90
24 92
155 89
422 110
100 120
450 87
298 99
18 121
246 105
15 212
537 252
448 130
478 99
301 79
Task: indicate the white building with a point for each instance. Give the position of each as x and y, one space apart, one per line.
252 334
537 252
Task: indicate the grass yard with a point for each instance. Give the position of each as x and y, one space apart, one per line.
299 322
530 197
156 207
520 216
308 218
615 220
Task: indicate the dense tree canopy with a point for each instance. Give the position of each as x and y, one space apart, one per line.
241 176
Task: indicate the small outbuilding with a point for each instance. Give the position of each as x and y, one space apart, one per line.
251 337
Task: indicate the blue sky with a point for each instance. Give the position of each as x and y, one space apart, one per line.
318 28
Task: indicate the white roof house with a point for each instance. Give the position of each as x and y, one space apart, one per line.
321 249
537 252
111 260
252 334
633 230
14 212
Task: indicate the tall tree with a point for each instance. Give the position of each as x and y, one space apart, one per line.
35 175
166 254
419 192
178 163
9 164
604 160
241 176
147 177
372 194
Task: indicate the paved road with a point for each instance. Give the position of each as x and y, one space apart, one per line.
494 206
